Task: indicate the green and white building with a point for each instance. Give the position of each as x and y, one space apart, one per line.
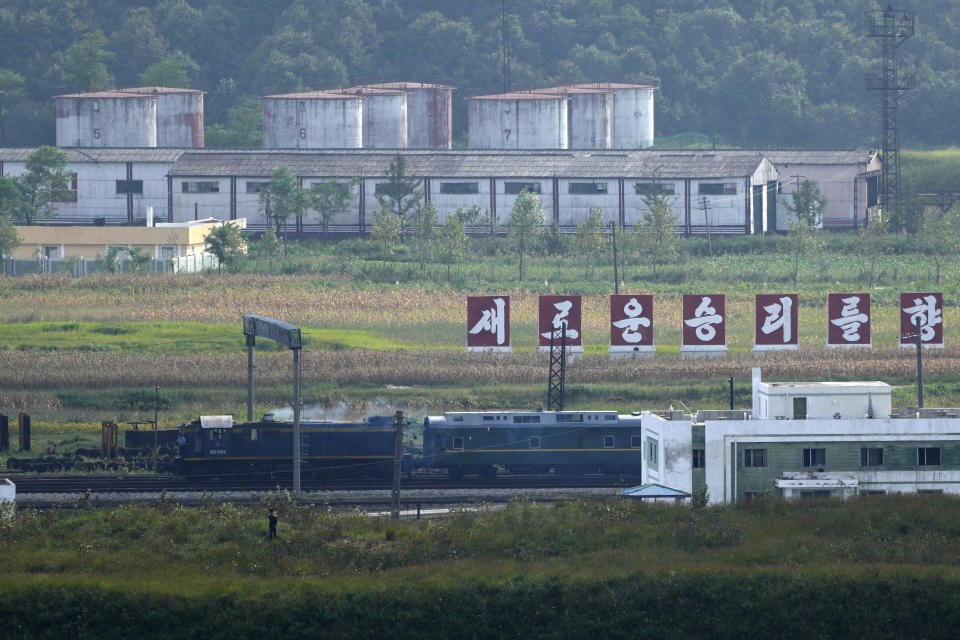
823 440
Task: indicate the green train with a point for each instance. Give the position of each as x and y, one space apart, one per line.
562 442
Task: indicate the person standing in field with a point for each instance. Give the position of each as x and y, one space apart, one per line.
272 517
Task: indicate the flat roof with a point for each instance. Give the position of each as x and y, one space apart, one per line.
407 85
131 92
842 385
614 85
520 95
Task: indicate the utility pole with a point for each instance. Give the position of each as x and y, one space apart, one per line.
731 394
397 462
893 27
705 207
156 412
616 276
919 366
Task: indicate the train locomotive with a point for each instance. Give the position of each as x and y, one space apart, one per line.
215 446
565 442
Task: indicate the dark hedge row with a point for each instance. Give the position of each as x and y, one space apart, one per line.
675 606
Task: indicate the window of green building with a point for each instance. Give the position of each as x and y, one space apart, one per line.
814 457
699 458
754 457
871 456
928 456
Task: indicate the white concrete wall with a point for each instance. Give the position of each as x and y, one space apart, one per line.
192 206
836 184
319 123
590 120
107 122
575 207
384 121
823 401
632 118
429 118
97 189
635 209
675 452
180 120
518 124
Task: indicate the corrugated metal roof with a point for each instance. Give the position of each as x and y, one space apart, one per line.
131 92
472 163
519 95
817 156
408 85
614 85
653 490
312 95
79 156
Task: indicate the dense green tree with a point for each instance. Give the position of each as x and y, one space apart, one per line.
46 180
226 243
401 193
84 64
11 84
243 129
173 71
9 238
943 240
136 44
525 225
282 199
451 242
329 199
386 230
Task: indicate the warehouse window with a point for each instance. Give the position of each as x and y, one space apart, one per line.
200 187
699 458
458 442
256 187
636 442
754 457
587 188
534 442
459 187
814 457
514 188
125 187
652 451
928 456
526 419
871 456
609 442
654 188
718 188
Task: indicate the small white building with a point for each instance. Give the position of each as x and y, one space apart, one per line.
819 400
8 491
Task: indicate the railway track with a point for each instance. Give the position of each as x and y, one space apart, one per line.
149 483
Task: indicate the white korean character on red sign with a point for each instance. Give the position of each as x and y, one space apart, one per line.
488 323
631 323
557 312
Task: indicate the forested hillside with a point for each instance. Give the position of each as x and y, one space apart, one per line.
744 72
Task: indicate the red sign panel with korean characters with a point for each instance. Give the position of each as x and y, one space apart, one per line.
704 322
631 323
928 309
848 320
555 311
776 321
488 323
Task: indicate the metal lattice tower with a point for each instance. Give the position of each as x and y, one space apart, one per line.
893 27
558 360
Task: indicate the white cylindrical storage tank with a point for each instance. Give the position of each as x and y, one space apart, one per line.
179 116
107 119
384 117
518 121
429 113
312 120
632 113
589 114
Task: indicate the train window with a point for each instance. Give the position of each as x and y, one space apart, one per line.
569 417
609 442
488 418
458 418
534 442
526 419
608 417
636 442
253 435
458 442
